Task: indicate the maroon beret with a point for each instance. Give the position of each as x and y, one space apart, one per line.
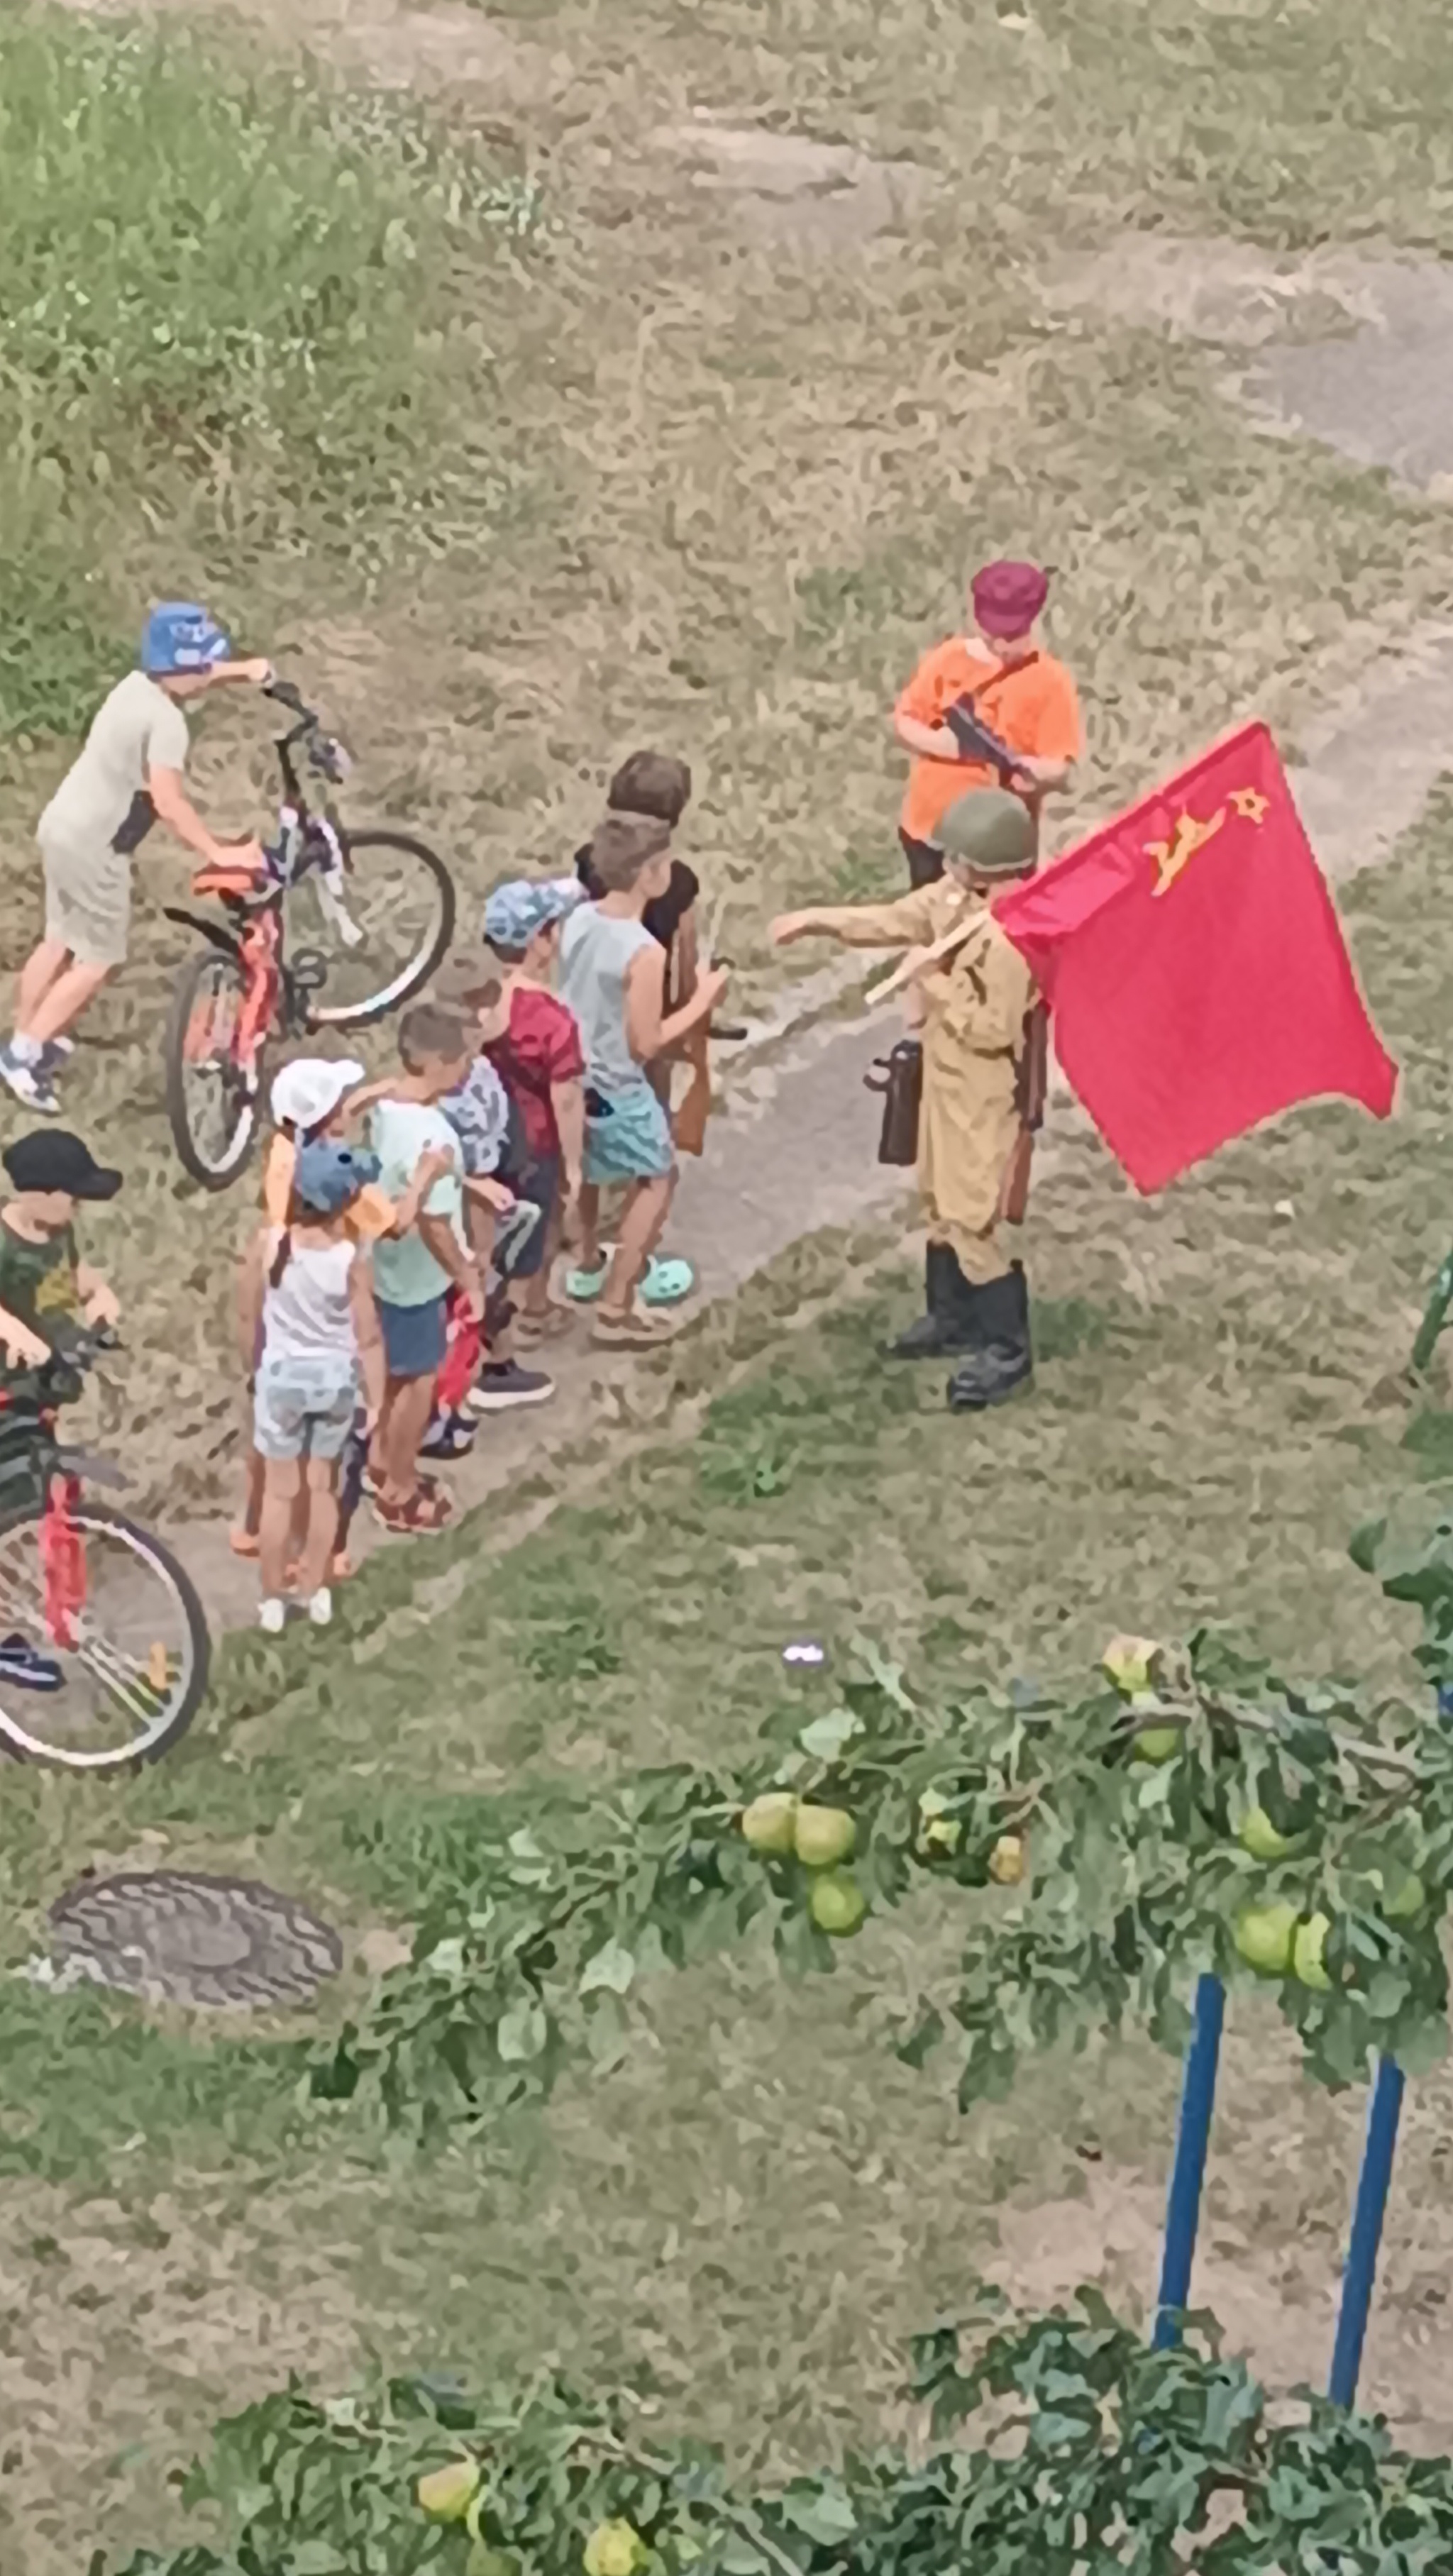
1008 597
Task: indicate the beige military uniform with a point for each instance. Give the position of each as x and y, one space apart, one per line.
974 1008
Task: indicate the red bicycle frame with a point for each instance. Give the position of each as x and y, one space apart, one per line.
63 1559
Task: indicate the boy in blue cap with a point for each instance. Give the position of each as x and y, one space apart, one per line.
128 776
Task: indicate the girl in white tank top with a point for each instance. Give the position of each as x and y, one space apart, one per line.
309 1310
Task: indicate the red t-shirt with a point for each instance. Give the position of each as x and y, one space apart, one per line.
540 1046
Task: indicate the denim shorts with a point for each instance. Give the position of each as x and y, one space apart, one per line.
302 1409
630 1140
536 1178
414 1337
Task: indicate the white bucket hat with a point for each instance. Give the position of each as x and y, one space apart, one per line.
307 1092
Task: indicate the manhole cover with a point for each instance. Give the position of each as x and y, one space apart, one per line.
194 1940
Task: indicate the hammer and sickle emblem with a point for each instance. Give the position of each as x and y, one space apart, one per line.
1172 856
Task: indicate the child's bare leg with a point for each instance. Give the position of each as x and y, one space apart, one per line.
282 1480
647 1207
43 967
535 1298
246 1527
320 1527
589 1225
405 1421
63 1001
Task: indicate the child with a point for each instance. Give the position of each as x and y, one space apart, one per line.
128 776
612 976
539 1059
414 1271
311 1292
488 1127
314 1098
43 1281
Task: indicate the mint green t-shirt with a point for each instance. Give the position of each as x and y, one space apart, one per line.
401 1132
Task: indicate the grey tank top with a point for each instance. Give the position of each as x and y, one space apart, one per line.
595 955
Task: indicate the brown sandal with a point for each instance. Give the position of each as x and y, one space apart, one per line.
635 1330
425 1511
548 1327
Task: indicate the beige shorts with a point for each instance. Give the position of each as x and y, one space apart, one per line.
87 902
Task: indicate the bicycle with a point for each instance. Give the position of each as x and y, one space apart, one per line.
245 987
104 1648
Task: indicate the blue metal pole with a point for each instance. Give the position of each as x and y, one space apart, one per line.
1183 2208
1367 2218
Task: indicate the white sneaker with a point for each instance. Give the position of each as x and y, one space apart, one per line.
272 1616
320 1607
28 1082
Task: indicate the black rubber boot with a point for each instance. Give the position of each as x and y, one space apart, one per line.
944 1326
1002 1360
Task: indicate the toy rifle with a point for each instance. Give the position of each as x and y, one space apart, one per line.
688 1124
1031 1087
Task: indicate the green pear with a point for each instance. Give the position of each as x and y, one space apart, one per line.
823 1836
1157 1744
1409 1902
768 1822
1260 1837
1264 1936
1127 1660
942 1833
1006 1860
1307 1950
615 2549
446 2494
837 1905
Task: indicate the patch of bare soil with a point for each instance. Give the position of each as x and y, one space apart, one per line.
1280 2183
824 195
1352 348
396 46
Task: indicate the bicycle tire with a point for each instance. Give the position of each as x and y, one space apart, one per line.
432 949
154 1553
209 1171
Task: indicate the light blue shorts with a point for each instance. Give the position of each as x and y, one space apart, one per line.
302 1409
631 1141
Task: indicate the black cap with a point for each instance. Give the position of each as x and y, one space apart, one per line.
51 1158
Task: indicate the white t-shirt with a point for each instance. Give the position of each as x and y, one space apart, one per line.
138 729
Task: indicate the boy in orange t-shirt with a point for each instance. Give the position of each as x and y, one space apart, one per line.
1025 698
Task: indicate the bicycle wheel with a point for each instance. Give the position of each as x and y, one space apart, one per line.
382 938
132 1680
211 1099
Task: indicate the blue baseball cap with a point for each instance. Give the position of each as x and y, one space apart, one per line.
179 636
516 912
329 1177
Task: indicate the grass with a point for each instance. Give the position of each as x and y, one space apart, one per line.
760 2202
521 447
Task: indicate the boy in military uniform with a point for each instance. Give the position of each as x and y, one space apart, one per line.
976 1003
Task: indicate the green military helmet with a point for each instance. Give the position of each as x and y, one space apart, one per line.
989 831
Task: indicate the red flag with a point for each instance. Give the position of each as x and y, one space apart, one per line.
1193 960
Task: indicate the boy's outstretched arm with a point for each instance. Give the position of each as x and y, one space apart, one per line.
907 923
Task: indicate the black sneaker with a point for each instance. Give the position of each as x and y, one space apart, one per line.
449 1435
27 1667
503 1384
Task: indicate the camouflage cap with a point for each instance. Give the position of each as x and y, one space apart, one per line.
989 831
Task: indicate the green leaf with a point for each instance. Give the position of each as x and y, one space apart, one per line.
613 1966
828 1737
522 2034
820 2514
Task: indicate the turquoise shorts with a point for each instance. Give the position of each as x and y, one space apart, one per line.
629 1140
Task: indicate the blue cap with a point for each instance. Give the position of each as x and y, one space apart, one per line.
329 1177
179 636
515 912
